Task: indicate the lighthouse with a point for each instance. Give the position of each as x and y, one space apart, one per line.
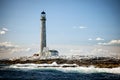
44 50
43 32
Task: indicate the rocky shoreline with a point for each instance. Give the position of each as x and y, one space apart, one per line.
101 62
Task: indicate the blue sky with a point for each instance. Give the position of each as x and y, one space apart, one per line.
69 22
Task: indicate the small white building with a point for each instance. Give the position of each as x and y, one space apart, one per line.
49 53
53 52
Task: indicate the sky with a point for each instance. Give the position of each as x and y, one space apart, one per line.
74 27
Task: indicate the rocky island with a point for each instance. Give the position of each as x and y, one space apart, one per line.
100 62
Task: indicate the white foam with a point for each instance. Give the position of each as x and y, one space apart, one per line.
91 69
55 66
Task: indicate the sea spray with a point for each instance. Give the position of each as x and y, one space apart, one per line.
55 66
34 72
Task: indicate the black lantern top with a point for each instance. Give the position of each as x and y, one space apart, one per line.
43 15
43 12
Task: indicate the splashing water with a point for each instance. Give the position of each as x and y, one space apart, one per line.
53 72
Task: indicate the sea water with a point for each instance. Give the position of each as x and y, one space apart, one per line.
37 72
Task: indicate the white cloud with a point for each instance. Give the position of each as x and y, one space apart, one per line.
112 42
90 39
105 51
76 50
102 43
9 48
99 39
82 27
3 31
101 52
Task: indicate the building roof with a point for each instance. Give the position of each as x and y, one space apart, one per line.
53 51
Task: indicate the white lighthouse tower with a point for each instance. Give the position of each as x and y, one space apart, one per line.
43 33
44 51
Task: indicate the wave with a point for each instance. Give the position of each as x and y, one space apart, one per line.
55 66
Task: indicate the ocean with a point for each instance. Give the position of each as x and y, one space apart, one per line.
36 72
